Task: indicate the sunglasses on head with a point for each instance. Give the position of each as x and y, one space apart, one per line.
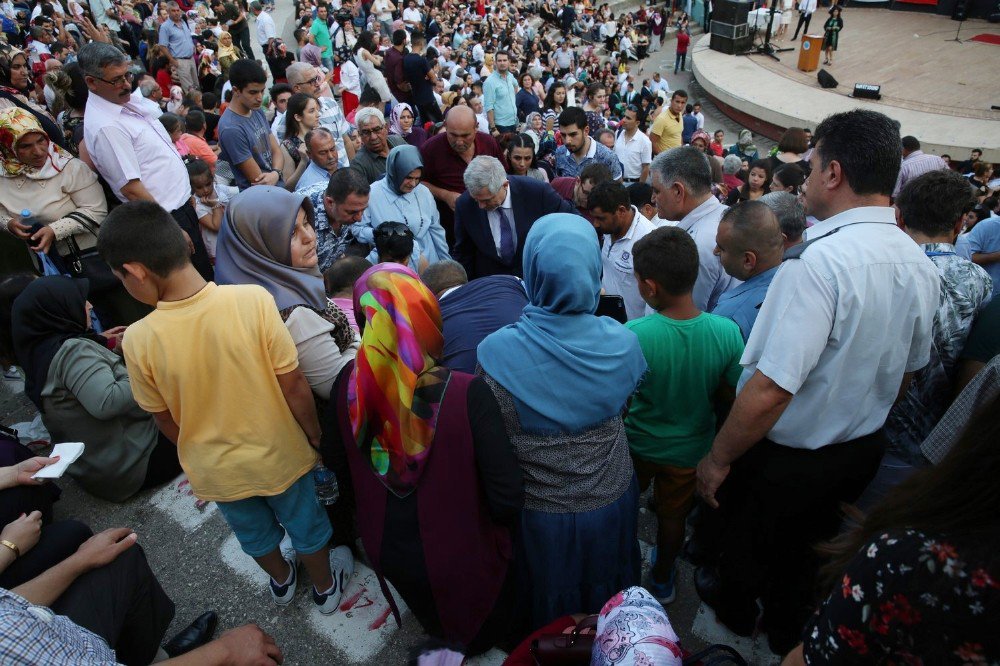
389 229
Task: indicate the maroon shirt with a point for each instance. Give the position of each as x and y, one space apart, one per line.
444 168
393 67
565 185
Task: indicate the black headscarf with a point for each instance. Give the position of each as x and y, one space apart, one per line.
50 311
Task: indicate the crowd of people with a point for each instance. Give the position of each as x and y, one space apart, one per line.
484 287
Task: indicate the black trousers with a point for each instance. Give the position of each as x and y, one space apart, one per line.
430 112
57 542
803 24
122 603
163 463
777 503
242 40
187 219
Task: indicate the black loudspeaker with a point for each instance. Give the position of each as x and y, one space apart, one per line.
960 9
867 91
730 45
826 79
729 30
731 11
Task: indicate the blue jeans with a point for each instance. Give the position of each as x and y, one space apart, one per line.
328 63
680 62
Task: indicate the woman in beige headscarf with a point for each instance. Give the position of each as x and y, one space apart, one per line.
228 53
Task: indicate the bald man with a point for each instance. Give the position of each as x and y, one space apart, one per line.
446 155
750 245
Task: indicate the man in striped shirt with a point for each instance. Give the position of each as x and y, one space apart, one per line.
915 162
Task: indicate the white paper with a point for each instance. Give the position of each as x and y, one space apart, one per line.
68 452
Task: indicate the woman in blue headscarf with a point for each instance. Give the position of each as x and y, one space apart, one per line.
562 377
399 196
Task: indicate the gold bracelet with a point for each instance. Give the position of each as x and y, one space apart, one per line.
12 546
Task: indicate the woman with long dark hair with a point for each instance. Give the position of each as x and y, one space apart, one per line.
918 579
521 158
555 103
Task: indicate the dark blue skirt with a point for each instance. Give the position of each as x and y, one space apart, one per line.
574 562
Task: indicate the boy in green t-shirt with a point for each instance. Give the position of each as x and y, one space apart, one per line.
694 362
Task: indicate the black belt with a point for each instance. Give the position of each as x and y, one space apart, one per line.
630 180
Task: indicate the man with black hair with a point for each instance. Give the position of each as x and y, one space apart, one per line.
620 225
420 76
915 162
641 196
846 321
576 190
749 245
235 22
337 205
578 149
393 67
244 134
930 209
394 243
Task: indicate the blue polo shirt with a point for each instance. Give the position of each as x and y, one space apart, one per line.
742 302
985 239
177 39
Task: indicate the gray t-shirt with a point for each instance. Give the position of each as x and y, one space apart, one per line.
243 137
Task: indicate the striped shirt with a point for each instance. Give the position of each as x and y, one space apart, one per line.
915 164
35 635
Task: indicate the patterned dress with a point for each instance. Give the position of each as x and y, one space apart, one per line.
909 598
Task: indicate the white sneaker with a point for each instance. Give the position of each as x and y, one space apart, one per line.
284 593
341 570
287 549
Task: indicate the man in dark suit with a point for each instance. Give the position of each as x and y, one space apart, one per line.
494 214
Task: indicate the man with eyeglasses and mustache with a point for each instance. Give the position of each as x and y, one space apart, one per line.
375 144
304 78
131 150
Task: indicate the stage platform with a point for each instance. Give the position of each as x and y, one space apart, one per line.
940 91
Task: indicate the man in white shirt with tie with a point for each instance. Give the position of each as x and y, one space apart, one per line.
131 150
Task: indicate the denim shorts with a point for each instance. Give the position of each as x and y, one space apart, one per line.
257 521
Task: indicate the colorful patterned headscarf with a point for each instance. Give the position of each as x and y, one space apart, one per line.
397 386
633 630
15 124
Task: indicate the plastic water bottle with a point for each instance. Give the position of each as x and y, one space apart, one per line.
327 490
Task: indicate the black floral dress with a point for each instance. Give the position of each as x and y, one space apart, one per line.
909 598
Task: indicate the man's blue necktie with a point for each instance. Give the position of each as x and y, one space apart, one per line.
507 248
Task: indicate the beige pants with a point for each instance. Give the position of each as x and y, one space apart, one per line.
188 74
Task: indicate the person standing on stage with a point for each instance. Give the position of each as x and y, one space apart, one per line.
806 9
831 33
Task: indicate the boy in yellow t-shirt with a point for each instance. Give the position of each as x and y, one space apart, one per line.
219 371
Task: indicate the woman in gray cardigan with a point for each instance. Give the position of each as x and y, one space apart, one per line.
82 390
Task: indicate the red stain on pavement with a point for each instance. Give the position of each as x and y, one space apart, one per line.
380 620
349 602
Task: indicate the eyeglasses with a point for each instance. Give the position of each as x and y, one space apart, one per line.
118 80
373 130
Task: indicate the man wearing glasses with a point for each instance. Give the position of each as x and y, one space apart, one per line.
131 150
375 144
304 78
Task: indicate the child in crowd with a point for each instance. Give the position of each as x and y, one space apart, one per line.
671 420
174 125
194 138
339 280
394 242
210 202
246 431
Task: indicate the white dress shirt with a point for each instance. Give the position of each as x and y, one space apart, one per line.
125 144
702 224
265 28
633 152
618 278
841 324
494 219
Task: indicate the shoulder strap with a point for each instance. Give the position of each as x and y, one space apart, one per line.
796 251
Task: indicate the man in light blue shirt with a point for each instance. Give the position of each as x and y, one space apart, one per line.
323 159
499 97
176 36
750 245
984 248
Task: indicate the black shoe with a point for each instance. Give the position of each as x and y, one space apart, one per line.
696 553
740 617
195 635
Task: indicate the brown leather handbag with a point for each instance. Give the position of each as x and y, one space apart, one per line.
572 649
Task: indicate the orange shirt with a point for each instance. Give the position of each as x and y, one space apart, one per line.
198 147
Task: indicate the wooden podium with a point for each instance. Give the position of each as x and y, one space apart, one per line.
809 52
